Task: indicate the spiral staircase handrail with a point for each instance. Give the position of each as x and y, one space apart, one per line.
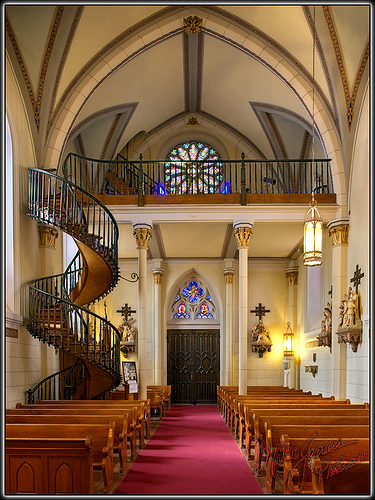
54 315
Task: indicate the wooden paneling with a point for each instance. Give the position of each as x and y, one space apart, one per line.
193 365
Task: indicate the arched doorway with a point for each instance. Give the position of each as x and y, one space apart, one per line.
193 344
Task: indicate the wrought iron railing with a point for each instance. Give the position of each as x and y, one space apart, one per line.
59 385
64 325
294 176
54 318
55 201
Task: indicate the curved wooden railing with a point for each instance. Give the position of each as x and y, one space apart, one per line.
59 311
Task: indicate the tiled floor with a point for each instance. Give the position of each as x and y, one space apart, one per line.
98 479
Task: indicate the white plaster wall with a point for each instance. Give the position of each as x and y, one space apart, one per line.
268 286
27 360
358 363
322 382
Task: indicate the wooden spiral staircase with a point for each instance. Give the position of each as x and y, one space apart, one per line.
59 313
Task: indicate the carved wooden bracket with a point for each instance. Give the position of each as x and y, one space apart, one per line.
352 337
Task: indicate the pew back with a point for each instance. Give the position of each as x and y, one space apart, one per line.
69 461
102 435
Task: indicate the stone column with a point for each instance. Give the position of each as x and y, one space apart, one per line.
242 233
228 276
338 230
157 273
142 233
290 378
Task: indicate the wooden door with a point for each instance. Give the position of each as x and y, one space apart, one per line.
193 366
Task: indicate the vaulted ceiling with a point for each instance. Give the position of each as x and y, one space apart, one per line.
238 75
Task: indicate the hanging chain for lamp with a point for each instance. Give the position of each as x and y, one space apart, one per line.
313 227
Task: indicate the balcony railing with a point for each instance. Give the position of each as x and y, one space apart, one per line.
152 177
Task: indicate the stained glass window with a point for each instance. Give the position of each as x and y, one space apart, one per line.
181 312
193 301
192 168
204 312
192 292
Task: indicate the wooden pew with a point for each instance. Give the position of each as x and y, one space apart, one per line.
271 448
261 423
286 408
340 477
144 404
120 428
167 393
224 392
298 451
156 398
311 416
70 466
131 413
102 436
225 389
234 402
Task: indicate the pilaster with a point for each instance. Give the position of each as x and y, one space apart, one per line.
338 230
228 277
157 274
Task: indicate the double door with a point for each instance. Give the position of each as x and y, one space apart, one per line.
193 366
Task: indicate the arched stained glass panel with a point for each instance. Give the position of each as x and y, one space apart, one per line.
193 301
193 167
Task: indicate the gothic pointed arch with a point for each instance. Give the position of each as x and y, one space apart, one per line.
193 302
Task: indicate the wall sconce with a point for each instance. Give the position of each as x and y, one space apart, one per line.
288 341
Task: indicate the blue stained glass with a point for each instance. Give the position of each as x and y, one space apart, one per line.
192 292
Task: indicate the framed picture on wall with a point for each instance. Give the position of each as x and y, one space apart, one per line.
129 371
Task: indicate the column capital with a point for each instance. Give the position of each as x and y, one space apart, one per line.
157 273
142 233
339 231
228 275
47 236
292 275
242 233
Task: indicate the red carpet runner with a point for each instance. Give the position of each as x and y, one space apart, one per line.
191 452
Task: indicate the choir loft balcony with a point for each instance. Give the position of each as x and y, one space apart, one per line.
242 182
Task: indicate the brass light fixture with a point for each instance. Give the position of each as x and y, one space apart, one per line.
313 227
288 341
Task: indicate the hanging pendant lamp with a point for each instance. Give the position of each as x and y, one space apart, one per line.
313 235
313 227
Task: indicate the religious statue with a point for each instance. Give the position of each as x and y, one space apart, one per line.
349 312
127 332
349 329
325 335
260 339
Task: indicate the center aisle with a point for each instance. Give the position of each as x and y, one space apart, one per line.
191 452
